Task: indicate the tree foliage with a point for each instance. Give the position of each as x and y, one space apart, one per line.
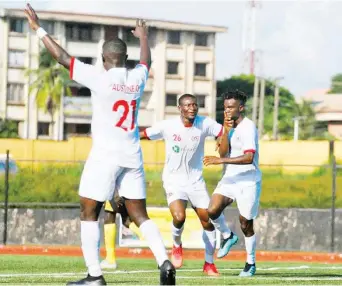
8 129
336 84
50 84
288 108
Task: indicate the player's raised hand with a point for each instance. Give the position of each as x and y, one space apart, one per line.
228 123
212 160
32 17
141 29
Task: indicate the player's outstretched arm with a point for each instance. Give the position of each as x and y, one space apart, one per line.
141 32
245 159
55 50
154 132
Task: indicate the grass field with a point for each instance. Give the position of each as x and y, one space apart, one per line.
57 270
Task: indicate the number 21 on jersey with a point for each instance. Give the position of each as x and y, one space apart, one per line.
122 123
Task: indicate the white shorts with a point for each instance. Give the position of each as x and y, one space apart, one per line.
247 197
100 178
196 193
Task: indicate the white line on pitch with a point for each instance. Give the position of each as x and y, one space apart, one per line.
118 272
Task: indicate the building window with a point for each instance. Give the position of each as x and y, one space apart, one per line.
82 128
87 60
171 99
84 91
128 37
16 58
200 69
17 25
15 93
43 129
173 37
82 32
172 67
131 64
80 91
201 39
200 100
48 26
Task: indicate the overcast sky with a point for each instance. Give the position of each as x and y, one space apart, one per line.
298 40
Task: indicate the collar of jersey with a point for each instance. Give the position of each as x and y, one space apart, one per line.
188 126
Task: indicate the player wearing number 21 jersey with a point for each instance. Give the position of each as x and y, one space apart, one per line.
115 101
115 160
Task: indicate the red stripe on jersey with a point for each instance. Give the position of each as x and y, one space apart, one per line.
221 131
145 134
145 64
72 62
249 151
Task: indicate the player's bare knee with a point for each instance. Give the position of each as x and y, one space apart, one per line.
178 218
138 218
247 226
88 213
136 210
207 225
214 212
90 209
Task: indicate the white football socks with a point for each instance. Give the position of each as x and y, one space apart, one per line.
250 243
153 237
209 239
220 225
90 239
177 235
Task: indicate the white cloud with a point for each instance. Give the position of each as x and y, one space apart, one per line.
302 45
300 40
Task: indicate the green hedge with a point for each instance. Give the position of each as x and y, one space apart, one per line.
60 184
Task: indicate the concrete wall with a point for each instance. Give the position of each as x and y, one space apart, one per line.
277 229
280 152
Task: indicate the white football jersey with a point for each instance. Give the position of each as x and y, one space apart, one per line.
116 95
184 147
242 139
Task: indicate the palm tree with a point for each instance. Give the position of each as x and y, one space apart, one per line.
51 82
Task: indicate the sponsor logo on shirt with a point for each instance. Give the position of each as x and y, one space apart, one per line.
175 148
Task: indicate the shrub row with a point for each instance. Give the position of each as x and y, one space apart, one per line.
60 184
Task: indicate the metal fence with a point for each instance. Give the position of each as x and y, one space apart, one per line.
331 173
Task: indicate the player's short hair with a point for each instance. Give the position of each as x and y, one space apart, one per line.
115 45
235 94
184 96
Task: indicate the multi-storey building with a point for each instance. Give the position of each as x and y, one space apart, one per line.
183 58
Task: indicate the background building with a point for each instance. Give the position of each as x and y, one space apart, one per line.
183 58
328 109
